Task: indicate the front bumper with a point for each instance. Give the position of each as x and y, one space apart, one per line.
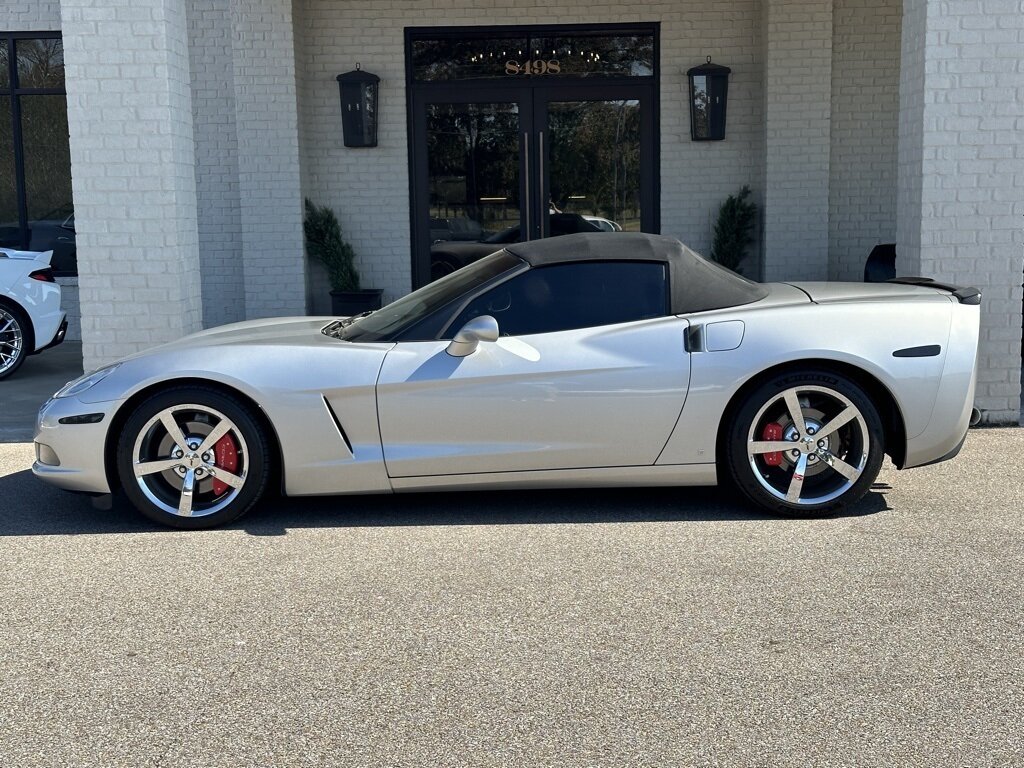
71 455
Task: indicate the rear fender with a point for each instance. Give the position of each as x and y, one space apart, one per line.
863 335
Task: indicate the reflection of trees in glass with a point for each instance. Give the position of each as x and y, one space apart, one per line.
44 146
8 192
44 127
40 63
4 66
473 153
450 59
581 54
595 158
701 108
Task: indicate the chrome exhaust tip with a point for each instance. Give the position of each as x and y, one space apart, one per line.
975 417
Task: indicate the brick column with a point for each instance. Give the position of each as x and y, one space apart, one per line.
270 194
213 124
132 166
797 93
961 170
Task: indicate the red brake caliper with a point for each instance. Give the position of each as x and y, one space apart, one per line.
772 432
225 457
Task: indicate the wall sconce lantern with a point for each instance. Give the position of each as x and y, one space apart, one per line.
709 90
359 107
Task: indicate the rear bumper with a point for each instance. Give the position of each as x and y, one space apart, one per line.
953 410
58 337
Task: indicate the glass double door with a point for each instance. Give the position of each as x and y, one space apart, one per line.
493 166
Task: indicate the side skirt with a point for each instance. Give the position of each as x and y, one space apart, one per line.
602 477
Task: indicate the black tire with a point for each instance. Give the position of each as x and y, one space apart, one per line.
442 266
153 439
15 329
836 475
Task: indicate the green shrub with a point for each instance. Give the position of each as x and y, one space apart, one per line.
733 229
325 243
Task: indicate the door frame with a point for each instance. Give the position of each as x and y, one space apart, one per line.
646 94
527 93
419 173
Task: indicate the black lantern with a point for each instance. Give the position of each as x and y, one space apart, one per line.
359 107
709 90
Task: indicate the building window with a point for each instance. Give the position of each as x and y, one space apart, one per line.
459 53
36 210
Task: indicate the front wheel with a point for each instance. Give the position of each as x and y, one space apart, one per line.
191 457
806 444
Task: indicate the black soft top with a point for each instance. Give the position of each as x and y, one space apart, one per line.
696 284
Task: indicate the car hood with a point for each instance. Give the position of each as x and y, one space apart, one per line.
277 331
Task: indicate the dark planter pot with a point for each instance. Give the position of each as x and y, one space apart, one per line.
349 303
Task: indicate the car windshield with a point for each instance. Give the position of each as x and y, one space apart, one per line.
399 315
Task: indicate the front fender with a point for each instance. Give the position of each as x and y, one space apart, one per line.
292 385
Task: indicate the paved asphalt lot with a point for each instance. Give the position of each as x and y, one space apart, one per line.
668 627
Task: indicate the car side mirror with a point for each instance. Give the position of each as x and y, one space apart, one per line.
483 328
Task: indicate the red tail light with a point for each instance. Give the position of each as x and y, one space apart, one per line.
43 275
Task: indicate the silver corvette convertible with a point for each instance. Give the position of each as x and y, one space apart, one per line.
586 360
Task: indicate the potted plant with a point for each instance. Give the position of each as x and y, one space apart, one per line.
733 230
325 243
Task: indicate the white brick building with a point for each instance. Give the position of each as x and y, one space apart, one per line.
197 127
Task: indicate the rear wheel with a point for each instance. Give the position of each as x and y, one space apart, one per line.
15 338
806 444
193 458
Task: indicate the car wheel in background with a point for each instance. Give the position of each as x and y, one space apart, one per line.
191 457
15 338
805 444
441 267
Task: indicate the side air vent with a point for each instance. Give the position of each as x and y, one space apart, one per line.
337 423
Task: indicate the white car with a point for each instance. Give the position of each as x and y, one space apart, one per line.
605 225
31 319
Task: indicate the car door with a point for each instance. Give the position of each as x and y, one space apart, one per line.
589 371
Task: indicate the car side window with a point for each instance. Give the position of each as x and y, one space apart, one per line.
564 297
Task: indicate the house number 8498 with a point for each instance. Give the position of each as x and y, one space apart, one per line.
533 67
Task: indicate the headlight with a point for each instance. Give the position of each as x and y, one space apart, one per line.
81 384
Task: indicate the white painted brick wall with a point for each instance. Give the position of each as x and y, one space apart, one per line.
797 93
864 128
69 302
133 173
213 125
266 120
369 188
961 170
30 15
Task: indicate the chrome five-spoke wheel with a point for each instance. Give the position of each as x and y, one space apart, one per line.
190 460
806 444
193 458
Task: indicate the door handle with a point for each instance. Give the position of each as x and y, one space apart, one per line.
527 233
544 206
